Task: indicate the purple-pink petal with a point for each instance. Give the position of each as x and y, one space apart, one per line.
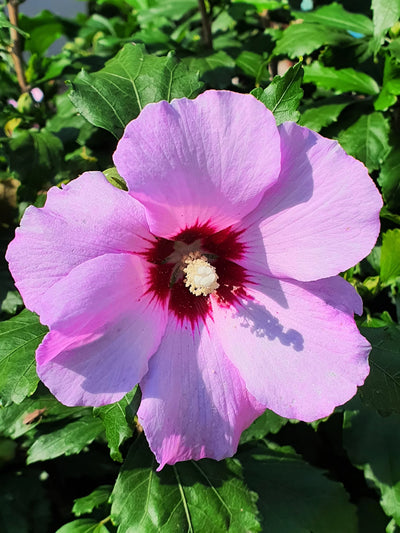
85 219
296 345
194 402
202 160
320 218
104 329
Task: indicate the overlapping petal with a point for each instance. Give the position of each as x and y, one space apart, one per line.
208 159
104 329
296 344
86 218
320 218
194 403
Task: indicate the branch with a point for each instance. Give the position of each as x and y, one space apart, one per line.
207 37
16 46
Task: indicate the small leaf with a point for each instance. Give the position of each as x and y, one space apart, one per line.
19 338
381 389
113 96
324 112
316 502
68 440
118 420
302 39
390 257
268 422
191 496
283 95
343 80
335 16
91 501
367 140
253 65
216 69
83 525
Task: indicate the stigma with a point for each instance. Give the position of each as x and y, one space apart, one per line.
201 277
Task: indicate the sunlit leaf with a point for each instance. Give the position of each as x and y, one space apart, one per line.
113 96
19 338
191 496
343 80
283 95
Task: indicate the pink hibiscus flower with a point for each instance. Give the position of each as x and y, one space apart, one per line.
213 282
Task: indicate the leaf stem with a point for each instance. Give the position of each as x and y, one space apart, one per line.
205 20
15 46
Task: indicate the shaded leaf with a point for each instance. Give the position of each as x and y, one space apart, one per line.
283 95
19 338
316 503
367 139
68 440
389 180
390 257
83 525
24 507
113 96
381 389
372 443
253 65
343 80
324 112
118 420
268 422
91 501
191 496
216 69
34 156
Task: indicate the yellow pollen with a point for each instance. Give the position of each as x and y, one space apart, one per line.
201 277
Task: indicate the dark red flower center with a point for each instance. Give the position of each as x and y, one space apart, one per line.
169 257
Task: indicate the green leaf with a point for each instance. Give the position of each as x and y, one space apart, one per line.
191 496
283 95
390 257
113 96
68 440
281 478
367 139
41 408
83 525
372 442
34 156
268 422
216 69
19 338
253 65
12 303
324 112
343 80
302 39
44 29
385 14
389 180
335 16
118 420
381 389
91 501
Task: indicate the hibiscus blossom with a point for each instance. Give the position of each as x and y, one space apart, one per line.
212 282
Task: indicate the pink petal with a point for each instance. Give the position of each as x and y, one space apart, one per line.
194 403
296 345
195 161
320 218
107 329
86 218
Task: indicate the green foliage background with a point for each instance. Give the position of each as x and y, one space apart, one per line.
331 66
